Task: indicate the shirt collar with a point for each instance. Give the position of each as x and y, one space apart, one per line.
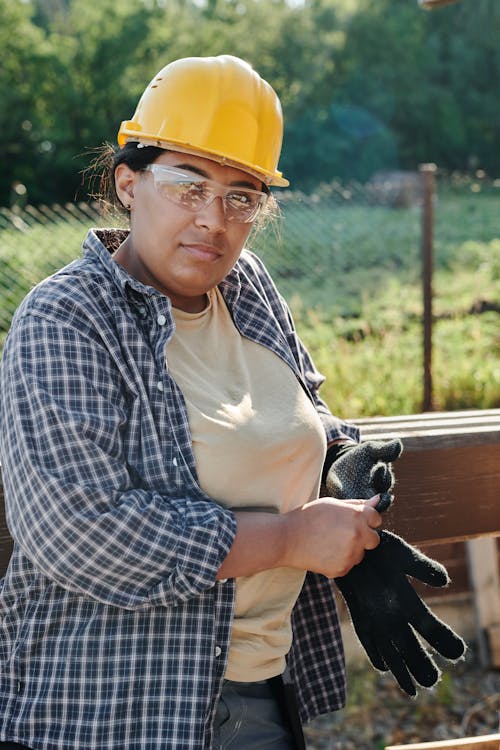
101 244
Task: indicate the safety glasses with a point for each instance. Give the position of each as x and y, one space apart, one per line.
194 193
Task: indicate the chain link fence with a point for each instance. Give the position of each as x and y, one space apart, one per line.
346 256
309 245
35 242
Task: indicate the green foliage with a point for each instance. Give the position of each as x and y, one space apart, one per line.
428 77
365 84
26 64
28 257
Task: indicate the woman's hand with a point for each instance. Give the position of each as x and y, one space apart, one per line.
329 536
325 536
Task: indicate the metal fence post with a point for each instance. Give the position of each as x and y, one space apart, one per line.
428 172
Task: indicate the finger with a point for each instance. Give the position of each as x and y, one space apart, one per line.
346 502
372 539
385 502
374 521
369 643
419 663
414 562
395 663
370 510
437 634
381 478
372 501
372 516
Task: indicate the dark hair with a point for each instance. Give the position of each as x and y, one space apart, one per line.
101 171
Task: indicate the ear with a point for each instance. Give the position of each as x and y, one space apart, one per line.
125 181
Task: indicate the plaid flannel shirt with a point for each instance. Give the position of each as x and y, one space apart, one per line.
114 632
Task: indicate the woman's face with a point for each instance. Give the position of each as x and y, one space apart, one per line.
181 253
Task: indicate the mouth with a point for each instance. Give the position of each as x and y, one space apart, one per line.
202 251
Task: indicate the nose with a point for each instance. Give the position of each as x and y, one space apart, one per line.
212 216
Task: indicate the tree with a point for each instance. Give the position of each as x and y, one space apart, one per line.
26 66
365 84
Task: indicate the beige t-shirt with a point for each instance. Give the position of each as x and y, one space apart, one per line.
258 443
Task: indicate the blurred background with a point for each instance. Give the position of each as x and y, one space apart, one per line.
371 90
366 85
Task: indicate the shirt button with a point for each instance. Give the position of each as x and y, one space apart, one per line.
218 651
159 385
174 461
161 320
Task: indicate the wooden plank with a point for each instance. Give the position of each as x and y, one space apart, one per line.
486 742
447 494
483 564
482 555
448 486
464 417
493 635
436 430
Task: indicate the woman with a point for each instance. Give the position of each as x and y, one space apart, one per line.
162 445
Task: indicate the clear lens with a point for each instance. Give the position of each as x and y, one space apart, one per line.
196 193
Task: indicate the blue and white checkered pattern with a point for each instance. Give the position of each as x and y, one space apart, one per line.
114 632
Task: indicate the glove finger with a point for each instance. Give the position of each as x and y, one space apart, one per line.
387 450
352 587
412 561
385 502
437 633
369 643
396 665
419 663
381 478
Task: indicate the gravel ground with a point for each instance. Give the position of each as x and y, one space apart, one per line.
465 703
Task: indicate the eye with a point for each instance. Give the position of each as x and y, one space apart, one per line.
192 193
240 199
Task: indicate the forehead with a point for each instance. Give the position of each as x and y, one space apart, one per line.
212 170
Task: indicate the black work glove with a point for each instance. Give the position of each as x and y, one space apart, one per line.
362 471
387 612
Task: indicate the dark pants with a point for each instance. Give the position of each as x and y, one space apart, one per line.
257 716
12 746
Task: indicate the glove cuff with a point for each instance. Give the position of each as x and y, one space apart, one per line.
335 451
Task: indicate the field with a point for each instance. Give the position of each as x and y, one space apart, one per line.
350 271
356 298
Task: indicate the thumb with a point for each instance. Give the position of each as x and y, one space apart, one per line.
373 501
380 502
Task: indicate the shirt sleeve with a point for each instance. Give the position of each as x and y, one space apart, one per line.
73 503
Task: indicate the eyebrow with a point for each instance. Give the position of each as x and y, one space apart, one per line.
202 173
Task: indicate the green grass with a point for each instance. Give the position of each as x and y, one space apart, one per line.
358 304
351 274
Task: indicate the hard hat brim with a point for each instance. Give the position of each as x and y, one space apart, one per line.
129 134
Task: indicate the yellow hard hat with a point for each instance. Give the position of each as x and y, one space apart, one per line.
216 107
